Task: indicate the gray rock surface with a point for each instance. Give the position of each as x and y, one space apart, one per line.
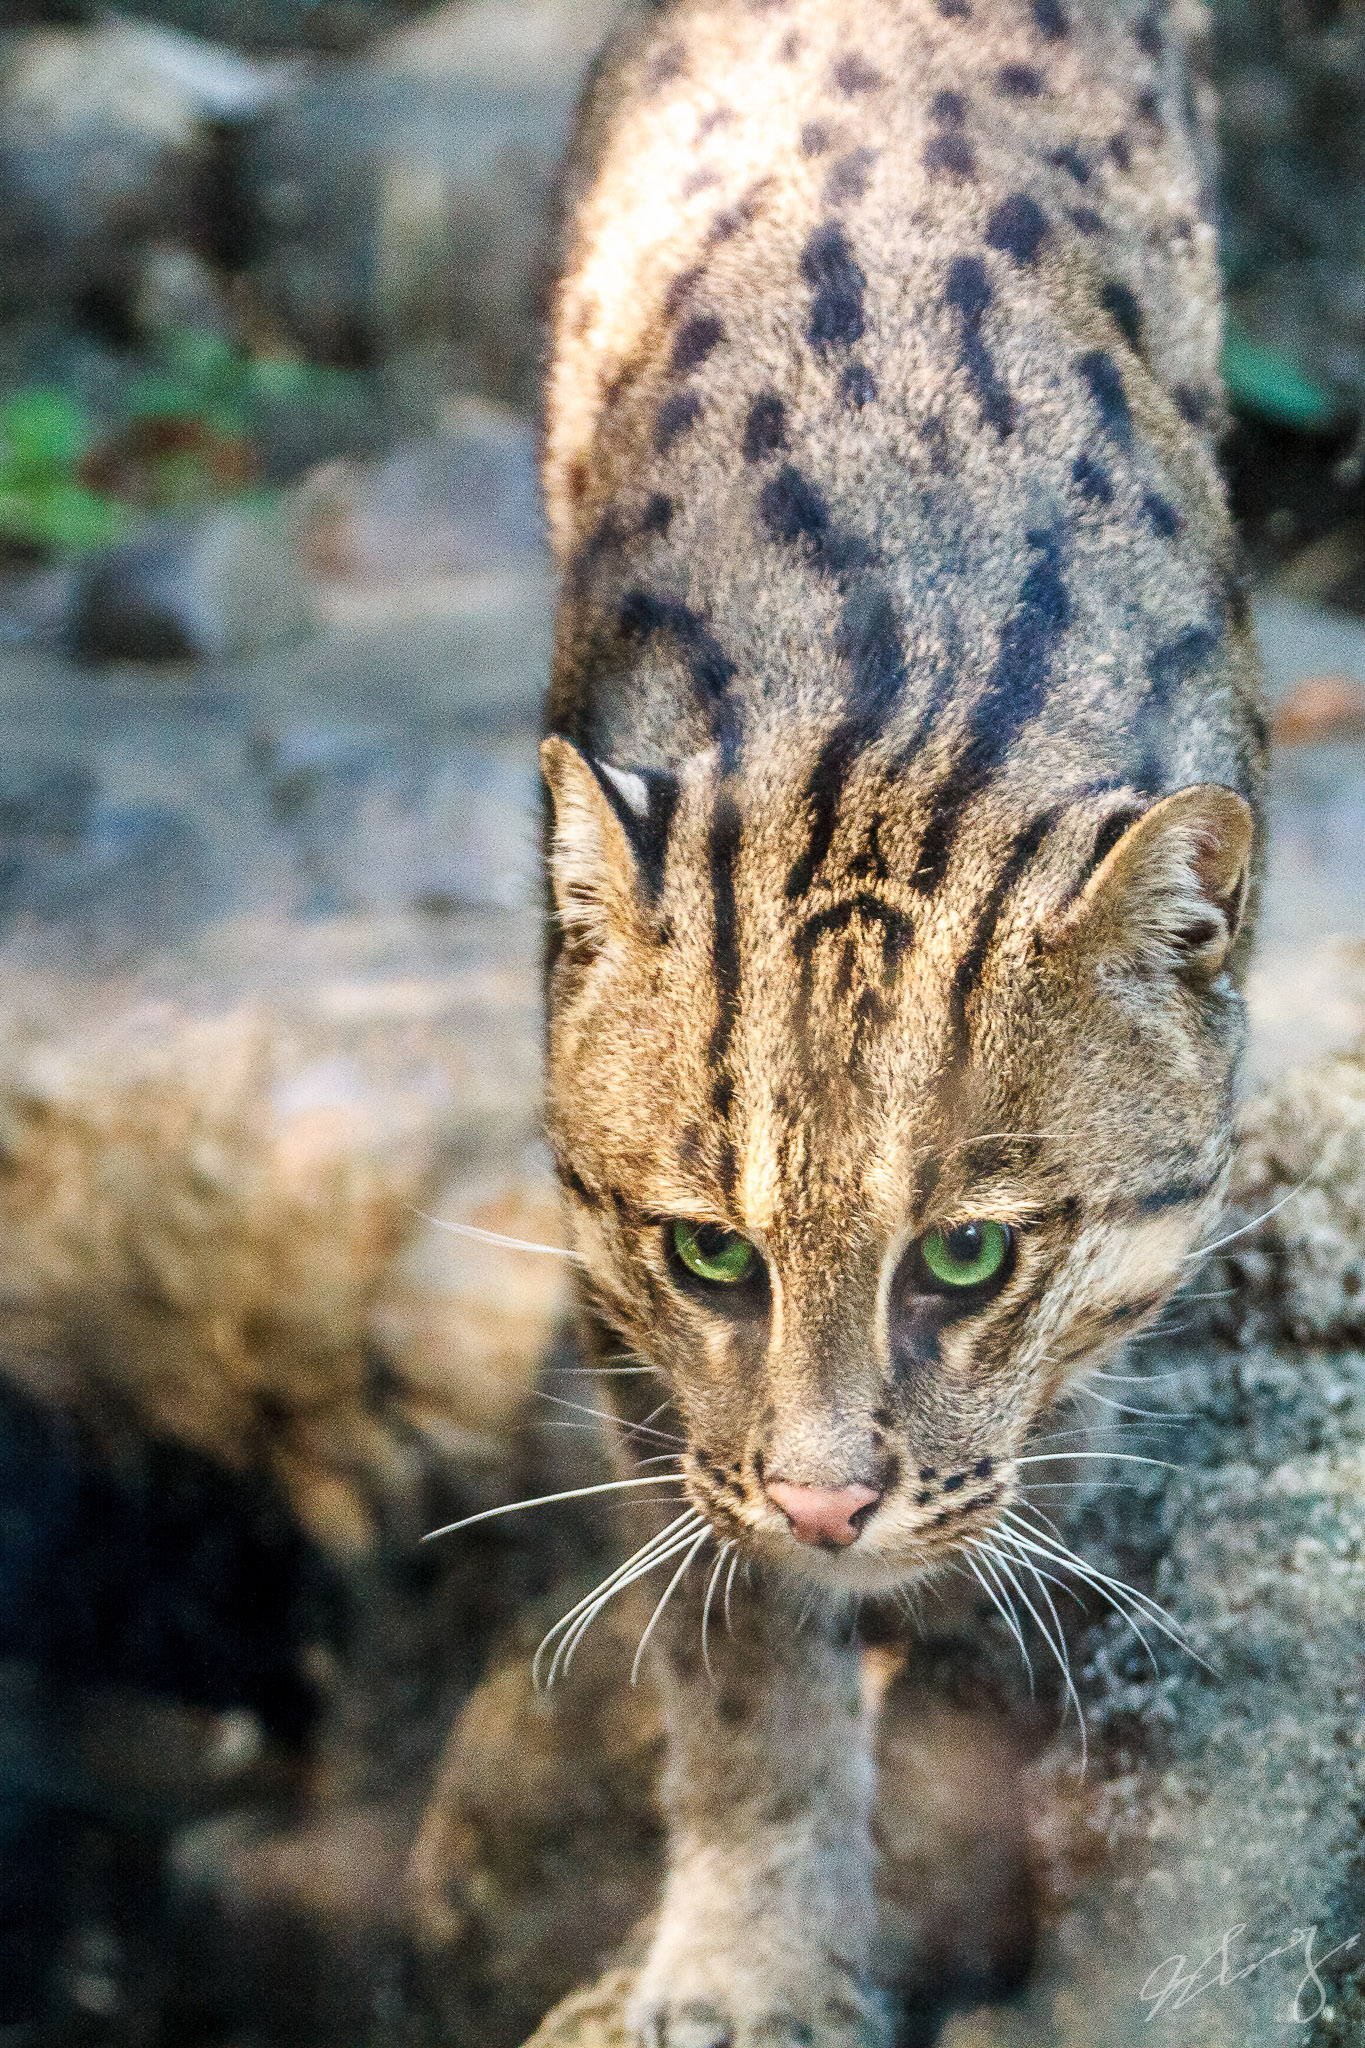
225 582
405 197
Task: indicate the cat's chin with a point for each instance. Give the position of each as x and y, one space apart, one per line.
860 1572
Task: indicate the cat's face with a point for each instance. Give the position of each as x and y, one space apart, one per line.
870 1177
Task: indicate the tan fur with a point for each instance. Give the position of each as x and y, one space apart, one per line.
904 765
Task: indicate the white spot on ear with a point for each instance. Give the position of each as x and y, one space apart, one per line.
632 788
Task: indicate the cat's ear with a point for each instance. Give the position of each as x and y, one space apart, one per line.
593 868
1172 890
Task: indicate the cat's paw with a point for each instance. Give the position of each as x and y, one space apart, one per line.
753 1995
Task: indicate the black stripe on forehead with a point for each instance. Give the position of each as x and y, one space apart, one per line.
1026 845
869 639
896 929
723 859
1014 694
644 615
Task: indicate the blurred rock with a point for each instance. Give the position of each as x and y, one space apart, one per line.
208 1208
225 582
405 196
102 139
1298 1205
542 1844
465 501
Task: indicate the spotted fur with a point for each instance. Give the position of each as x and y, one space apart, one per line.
905 754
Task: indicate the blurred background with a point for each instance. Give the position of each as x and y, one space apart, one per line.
274 626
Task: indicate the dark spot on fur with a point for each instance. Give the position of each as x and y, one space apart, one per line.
719 117
1160 515
1017 227
1120 151
765 430
1148 108
578 480
794 510
657 516
577 1186
1020 81
1093 480
949 108
848 177
968 292
1087 221
1148 37
1178 660
949 152
1050 16
695 341
983 1468
681 289
853 75
605 539
955 10
699 180
815 138
1105 380
857 386
674 417
1069 159
928 1473
830 268
954 1482
791 46
1123 309
667 64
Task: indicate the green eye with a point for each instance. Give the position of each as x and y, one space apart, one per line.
712 1253
968 1255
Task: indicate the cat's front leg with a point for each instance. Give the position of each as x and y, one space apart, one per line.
765 1930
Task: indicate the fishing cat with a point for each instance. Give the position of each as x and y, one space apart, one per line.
904 756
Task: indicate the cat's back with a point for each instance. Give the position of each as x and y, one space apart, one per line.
882 404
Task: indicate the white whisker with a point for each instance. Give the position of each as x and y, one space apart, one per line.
497 1237
1125 1408
730 1580
545 1500
683 1527
569 1645
1266 1214
1002 1606
663 1436
1105 1457
1059 1648
721 1556
668 1593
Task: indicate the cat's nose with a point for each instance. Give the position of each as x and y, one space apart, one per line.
824 1516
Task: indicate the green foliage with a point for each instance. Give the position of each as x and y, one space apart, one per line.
185 434
1263 382
44 434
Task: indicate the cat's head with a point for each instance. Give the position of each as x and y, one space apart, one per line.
870 1168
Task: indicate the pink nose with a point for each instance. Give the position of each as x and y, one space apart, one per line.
820 1516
